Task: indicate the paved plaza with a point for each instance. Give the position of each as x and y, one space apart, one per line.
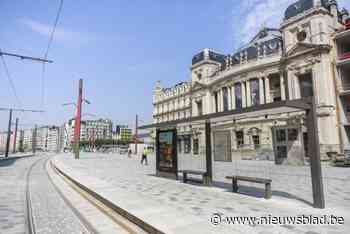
174 207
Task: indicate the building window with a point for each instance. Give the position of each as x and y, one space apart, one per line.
256 141
195 146
320 26
239 138
187 144
305 82
216 102
292 134
254 90
225 98
200 108
282 152
238 94
281 135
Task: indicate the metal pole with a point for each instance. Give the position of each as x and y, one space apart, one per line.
136 126
157 152
8 135
78 120
15 137
26 57
21 136
315 159
208 158
34 139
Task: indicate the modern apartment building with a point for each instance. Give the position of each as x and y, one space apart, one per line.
90 130
123 133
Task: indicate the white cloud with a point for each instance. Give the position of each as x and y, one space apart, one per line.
256 13
253 14
344 3
61 34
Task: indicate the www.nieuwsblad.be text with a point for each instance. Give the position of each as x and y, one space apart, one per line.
220 219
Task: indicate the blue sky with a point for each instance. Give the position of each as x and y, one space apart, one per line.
120 48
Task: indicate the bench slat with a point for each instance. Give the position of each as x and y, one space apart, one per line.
193 172
250 179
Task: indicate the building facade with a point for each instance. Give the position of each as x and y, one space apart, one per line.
123 133
45 138
306 57
90 130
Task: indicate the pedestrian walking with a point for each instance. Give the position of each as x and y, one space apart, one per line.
129 153
144 156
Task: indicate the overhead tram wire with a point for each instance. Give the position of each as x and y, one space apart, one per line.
9 78
47 52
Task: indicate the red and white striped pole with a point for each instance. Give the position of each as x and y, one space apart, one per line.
78 120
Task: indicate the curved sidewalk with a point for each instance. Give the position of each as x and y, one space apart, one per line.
173 207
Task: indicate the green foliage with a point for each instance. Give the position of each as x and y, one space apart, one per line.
101 142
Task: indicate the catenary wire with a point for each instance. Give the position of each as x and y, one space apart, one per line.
10 80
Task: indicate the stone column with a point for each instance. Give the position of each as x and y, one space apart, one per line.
261 91
248 94
233 140
244 103
206 105
220 101
233 97
229 99
267 89
283 88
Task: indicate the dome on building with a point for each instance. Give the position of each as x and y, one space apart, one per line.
301 6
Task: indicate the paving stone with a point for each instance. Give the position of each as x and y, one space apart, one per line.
103 172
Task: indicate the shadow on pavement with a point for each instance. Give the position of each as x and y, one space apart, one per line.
258 192
5 162
243 189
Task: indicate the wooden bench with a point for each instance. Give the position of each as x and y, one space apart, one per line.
267 183
193 172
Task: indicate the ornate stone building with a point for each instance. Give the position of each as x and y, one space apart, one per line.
299 59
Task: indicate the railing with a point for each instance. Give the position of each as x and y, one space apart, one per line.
344 56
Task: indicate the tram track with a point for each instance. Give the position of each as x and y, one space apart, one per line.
33 224
127 224
28 203
81 218
45 183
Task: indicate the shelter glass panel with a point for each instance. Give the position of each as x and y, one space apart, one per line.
166 150
222 146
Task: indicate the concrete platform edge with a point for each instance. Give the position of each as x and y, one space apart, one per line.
132 218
